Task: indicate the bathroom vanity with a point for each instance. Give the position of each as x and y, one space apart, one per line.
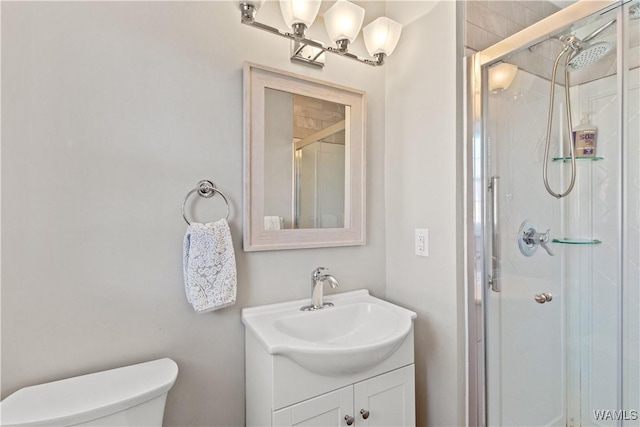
350 364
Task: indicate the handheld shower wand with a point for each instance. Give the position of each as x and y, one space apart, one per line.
578 55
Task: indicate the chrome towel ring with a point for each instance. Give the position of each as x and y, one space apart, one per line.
206 189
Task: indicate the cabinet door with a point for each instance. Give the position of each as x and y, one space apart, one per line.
326 410
388 398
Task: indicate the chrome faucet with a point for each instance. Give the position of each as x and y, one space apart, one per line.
318 278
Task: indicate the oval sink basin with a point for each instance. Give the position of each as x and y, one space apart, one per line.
356 334
352 324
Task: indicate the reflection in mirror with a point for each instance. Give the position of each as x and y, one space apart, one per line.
305 149
319 140
304 162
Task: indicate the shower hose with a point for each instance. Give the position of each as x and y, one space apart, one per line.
569 128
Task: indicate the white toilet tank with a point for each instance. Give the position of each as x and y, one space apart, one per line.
131 396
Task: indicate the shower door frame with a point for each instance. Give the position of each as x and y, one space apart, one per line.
476 181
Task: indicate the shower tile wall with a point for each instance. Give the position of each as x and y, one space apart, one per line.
632 259
591 272
631 306
488 22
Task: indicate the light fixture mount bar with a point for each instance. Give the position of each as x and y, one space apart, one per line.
248 18
308 55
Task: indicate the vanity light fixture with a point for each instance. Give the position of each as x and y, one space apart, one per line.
343 21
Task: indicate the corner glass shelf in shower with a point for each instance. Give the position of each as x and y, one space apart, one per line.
568 159
577 241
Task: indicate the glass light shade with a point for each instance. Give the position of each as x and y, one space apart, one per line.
299 11
343 20
501 76
382 35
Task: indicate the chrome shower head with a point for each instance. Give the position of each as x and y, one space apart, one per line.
588 55
585 54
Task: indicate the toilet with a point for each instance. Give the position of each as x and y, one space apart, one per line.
130 396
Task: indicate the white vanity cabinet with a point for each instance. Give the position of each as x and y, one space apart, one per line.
385 400
279 392
349 365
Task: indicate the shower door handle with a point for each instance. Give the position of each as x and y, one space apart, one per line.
494 275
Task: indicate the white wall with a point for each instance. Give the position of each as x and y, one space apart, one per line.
111 112
422 165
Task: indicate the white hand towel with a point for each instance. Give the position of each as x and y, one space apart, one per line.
209 266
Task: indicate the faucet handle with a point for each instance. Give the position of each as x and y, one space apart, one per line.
544 240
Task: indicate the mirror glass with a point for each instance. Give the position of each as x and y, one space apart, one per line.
304 151
304 162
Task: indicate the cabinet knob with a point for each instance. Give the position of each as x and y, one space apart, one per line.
364 413
349 419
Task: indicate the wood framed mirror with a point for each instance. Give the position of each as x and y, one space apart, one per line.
304 162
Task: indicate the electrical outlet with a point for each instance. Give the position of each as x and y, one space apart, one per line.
422 241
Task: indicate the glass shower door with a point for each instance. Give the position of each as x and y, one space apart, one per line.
525 339
554 319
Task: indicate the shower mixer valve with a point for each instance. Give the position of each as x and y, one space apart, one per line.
529 239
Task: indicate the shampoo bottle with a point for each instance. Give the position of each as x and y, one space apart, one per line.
584 138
